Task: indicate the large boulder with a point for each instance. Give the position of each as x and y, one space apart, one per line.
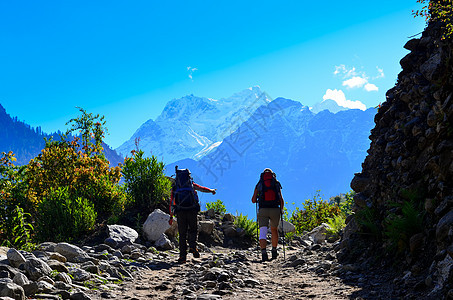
286 226
21 279
15 258
319 234
206 227
36 268
121 235
156 224
11 290
163 243
71 252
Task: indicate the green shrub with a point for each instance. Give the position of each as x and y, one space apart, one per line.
249 226
15 222
400 228
218 206
336 223
20 229
367 219
145 181
315 212
63 217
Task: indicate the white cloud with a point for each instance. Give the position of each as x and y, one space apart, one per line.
343 70
339 97
380 73
191 70
355 82
369 87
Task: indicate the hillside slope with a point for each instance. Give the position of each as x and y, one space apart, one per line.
27 142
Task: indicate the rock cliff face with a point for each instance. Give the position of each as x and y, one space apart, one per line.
408 172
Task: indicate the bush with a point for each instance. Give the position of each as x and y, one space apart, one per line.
63 216
15 222
62 165
315 212
249 226
145 181
368 221
336 223
400 228
218 207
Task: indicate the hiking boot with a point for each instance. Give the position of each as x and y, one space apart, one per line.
264 256
195 252
181 260
274 253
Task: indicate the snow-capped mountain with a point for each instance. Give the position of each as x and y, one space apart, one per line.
308 152
329 105
191 127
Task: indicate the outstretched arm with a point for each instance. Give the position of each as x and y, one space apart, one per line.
203 189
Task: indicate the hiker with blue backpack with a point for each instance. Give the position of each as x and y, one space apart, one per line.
269 199
185 205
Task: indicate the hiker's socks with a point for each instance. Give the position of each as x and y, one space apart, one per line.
264 256
274 252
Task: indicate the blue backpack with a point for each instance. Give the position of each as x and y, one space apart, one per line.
185 197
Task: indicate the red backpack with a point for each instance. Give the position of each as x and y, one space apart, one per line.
268 190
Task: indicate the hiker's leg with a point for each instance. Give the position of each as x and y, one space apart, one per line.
274 232
263 223
263 234
193 228
274 220
182 230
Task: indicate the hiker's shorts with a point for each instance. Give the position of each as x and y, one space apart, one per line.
269 214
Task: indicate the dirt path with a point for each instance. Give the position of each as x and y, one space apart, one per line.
244 277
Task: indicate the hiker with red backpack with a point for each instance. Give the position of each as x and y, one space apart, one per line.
269 198
185 205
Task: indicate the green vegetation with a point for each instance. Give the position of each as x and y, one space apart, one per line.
69 187
435 10
399 228
64 216
15 222
314 212
218 207
145 181
248 225
368 221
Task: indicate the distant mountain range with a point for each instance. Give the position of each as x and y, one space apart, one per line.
308 152
27 142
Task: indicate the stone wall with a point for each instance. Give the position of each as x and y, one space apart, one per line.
411 160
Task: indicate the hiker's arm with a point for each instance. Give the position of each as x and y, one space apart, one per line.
282 202
255 193
203 189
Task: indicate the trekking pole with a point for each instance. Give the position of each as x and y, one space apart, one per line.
283 235
257 229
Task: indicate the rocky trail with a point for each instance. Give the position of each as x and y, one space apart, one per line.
310 272
118 266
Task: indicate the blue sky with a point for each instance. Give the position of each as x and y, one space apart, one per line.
126 60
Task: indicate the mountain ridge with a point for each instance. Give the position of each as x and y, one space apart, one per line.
27 142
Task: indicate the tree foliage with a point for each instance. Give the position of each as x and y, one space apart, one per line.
435 10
